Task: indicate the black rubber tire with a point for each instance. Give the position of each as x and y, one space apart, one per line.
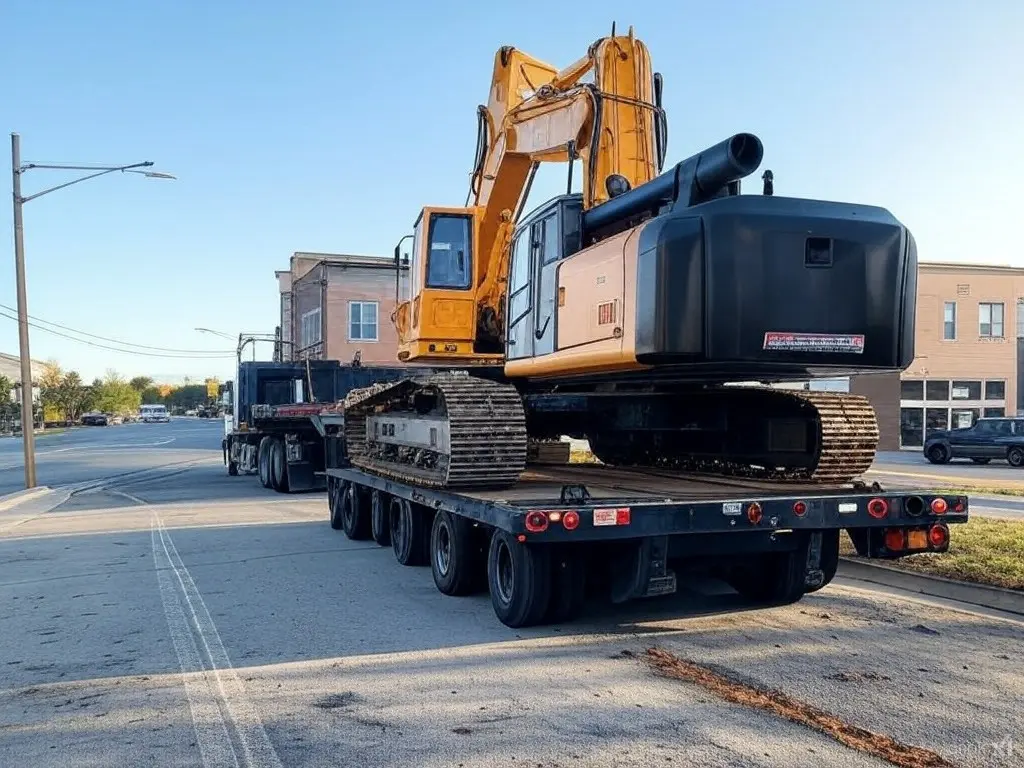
278 466
981 461
519 580
232 469
773 579
263 461
1015 456
335 491
354 509
938 454
455 559
380 530
829 558
568 585
410 534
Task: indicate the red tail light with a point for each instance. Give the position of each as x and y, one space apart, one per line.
878 508
571 520
799 508
536 521
938 536
894 541
754 513
939 506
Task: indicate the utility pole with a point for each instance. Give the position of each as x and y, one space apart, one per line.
28 420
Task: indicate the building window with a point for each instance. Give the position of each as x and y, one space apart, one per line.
949 321
995 390
935 420
911 427
362 321
995 412
309 331
961 418
936 389
911 390
1020 318
966 390
990 319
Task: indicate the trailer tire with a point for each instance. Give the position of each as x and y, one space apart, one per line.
454 557
379 528
410 536
334 494
355 513
519 580
233 469
568 585
278 466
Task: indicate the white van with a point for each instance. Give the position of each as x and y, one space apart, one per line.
150 413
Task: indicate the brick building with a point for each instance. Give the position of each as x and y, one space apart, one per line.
334 305
968 362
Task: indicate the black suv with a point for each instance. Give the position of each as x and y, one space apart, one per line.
989 438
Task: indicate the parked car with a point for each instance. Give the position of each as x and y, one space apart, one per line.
95 419
987 439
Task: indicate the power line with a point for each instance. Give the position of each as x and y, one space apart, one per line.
205 356
118 341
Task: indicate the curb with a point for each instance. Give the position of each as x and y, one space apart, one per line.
1000 599
13 499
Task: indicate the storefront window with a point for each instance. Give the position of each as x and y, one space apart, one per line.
911 427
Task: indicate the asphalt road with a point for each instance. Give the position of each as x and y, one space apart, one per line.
181 617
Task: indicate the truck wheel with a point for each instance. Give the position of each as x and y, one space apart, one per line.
519 579
263 461
829 559
232 469
379 528
1015 456
278 466
568 585
410 537
334 494
355 514
454 557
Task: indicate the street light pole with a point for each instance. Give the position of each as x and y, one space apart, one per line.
28 421
28 433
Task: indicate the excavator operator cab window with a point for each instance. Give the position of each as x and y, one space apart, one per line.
449 252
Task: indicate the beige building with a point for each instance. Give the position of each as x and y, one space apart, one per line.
10 366
334 305
968 361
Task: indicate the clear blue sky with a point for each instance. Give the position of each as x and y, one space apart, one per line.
324 126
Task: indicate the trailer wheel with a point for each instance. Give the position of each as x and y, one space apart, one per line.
355 514
454 557
379 528
232 469
334 495
568 585
410 536
519 579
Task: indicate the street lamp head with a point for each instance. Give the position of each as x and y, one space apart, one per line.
159 175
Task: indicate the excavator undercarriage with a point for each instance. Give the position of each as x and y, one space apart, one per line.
456 430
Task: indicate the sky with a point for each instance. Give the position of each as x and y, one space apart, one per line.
326 126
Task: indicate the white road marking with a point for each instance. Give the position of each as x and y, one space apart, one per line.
259 752
215 747
128 496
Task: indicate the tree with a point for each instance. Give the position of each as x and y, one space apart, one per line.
49 389
115 395
73 396
141 383
6 387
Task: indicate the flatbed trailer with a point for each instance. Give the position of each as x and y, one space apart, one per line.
568 530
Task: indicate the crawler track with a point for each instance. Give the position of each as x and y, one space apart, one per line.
486 423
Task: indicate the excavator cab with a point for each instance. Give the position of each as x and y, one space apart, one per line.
437 316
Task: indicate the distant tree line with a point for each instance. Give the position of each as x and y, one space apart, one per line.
65 397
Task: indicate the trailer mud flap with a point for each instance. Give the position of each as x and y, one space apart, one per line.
814 576
642 571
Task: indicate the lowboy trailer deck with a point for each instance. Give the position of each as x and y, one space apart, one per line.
564 531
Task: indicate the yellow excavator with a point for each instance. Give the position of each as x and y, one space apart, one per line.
637 312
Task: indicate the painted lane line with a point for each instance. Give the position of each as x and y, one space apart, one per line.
215 747
259 752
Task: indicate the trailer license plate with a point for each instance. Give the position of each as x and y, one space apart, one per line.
732 508
846 507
